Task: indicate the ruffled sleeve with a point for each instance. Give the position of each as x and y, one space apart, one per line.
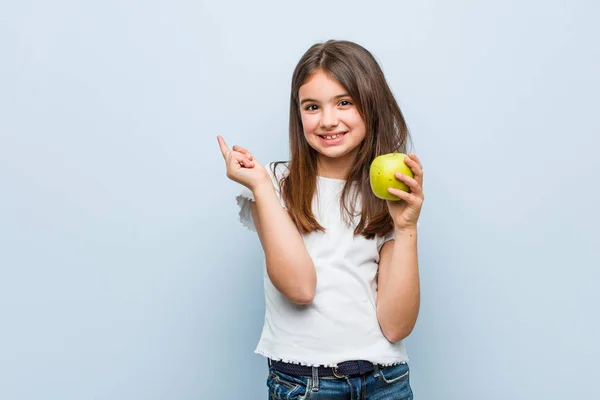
245 214
245 196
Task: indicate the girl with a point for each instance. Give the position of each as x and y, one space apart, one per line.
341 268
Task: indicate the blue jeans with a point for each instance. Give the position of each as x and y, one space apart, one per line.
384 383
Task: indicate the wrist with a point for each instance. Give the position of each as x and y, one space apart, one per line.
262 187
410 229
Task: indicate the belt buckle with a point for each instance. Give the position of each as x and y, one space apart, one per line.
335 373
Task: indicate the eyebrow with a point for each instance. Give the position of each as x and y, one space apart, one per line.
315 101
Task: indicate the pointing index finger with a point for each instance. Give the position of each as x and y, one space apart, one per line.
224 149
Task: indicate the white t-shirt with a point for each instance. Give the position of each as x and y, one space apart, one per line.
340 324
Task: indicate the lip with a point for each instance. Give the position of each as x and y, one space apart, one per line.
332 142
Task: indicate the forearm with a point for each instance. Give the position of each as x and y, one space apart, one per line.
399 297
289 265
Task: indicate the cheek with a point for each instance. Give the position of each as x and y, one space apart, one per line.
356 120
309 122
358 125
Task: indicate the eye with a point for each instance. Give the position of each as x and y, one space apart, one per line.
311 107
345 103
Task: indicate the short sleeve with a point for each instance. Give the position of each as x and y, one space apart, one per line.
243 199
391 235
245 196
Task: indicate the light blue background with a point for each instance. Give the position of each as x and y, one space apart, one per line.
124 273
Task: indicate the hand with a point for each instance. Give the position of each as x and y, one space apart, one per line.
405 212
242 167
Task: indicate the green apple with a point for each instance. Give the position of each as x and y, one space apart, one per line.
381 175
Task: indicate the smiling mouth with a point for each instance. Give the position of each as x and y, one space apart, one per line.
333 136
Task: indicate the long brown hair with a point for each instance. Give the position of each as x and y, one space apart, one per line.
358 72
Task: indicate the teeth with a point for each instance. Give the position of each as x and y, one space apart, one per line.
333 136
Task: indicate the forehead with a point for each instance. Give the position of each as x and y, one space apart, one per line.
321 84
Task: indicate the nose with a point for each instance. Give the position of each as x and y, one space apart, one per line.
329 119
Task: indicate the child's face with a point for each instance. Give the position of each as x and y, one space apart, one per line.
331 122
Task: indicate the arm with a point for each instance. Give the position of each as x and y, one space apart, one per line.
289 266
398 298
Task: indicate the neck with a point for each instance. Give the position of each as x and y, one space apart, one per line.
335 168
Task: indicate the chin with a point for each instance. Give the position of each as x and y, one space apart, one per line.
337 152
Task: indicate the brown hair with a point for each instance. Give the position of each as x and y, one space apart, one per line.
356 69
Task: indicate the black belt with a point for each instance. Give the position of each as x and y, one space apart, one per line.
346 368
